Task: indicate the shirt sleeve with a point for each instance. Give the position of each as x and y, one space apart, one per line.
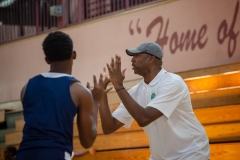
167 99
121 112
123 115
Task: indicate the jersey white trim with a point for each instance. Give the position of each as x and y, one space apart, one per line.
55 75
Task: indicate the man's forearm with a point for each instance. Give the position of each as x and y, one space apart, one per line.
136 111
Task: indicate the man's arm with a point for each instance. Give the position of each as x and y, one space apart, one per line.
165 103
109 123
143 116
86 114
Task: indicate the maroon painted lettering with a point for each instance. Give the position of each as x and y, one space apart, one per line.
130 28
161 41
188 40
201 34
174 43
224 33
191 39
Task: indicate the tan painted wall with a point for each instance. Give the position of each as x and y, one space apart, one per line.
97 41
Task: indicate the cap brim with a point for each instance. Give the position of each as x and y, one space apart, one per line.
132 52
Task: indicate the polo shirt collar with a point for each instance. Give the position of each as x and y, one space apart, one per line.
157 78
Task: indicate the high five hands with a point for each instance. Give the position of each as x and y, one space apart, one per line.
115 75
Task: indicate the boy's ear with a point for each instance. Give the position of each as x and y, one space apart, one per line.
48 62
74 54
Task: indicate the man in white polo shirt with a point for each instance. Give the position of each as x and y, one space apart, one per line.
160 103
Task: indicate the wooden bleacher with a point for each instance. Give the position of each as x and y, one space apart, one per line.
216 103
2 116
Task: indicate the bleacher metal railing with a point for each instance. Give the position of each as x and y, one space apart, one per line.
23 18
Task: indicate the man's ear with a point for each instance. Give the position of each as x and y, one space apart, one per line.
161 62
74 55
48 62
151 59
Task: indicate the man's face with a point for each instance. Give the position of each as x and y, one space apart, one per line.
140 63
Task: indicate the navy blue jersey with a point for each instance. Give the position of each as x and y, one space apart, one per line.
49 113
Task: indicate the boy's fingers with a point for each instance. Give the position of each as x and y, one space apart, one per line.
94 80
88 85
101 78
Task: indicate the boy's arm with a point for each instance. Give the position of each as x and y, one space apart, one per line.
23 92
109 123
86 114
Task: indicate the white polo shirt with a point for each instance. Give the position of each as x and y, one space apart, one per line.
177 135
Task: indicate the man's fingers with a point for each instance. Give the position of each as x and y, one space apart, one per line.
112 63
118 61
109 68
105 74
123 72
104 70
